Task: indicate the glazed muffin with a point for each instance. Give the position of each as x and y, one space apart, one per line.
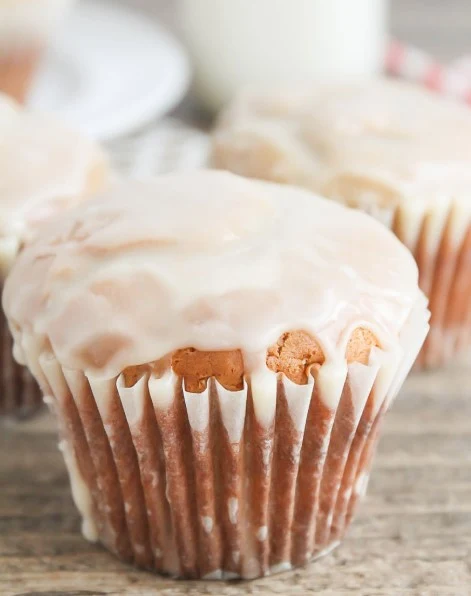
220 353
44 168
391 149
26 27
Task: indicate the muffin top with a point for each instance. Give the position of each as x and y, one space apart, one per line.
205 260
44 167
376 143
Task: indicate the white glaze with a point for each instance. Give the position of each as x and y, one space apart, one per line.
413 335
263 384
26 24
373 144
132 399
233 510
161 389
233 406
280 567
298 398
361 379
80 492
197 407
207 523
262 533
44 168
126 281
361 484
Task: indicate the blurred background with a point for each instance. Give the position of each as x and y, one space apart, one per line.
148 81
128 75
442 27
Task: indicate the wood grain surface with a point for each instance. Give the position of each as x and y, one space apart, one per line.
413 532
412 535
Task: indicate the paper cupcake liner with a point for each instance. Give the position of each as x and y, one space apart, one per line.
224 484
20 395
439 237
17 69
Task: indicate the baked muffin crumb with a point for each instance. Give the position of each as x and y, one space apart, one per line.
196 367
294 355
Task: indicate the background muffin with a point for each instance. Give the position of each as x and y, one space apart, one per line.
392 149
44 168
26 27
219 353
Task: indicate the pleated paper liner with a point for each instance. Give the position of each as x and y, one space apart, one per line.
224 484
17 69
20 395
439 237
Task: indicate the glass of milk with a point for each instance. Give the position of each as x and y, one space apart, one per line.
238 43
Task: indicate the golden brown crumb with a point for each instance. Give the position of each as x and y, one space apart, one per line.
294 355
296 352
196 367
360 344
132 374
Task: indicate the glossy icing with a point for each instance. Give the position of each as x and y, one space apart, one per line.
212 261
44 167
372 144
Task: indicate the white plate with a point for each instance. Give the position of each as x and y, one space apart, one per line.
111 71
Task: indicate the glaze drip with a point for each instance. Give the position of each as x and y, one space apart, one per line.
205 260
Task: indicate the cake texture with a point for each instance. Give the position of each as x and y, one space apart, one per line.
392 149
26 27
44 168
220 353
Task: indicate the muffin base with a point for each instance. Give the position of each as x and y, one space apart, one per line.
20 395
17 69
174 490
224 484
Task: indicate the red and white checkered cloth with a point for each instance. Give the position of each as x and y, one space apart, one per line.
415 65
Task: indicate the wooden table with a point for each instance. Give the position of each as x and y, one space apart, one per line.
412 535
413 532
